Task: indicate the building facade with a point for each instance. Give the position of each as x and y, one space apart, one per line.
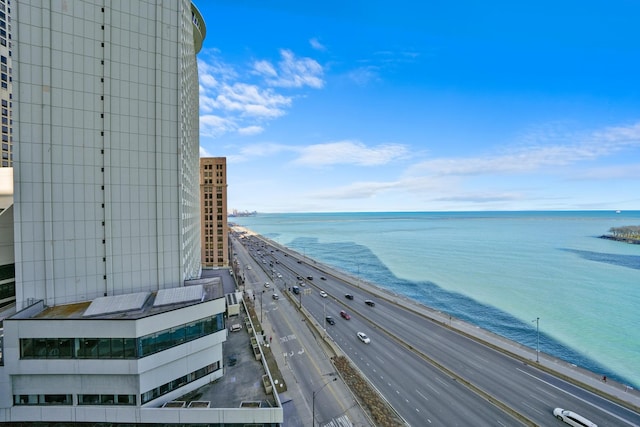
213 212
106 164
6 148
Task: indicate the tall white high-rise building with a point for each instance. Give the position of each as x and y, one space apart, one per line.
112 317
106 166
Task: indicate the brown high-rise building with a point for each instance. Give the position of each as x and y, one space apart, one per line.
213 212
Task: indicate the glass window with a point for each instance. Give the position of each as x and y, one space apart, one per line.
52 348
107 399
88 348
126 399
194 330
25 399
88 399
104 348
40 348
26 348
117 348
147 345
178 335
129 348
65 348
55 399
163 341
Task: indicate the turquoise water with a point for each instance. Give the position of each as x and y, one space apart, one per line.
498 270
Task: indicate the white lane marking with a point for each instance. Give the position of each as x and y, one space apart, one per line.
422 395
581 399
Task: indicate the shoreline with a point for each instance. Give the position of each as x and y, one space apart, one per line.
628 240
622 393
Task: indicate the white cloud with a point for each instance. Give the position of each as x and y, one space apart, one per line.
215 126
315 43
364 75
349 152
291 72
251 100
265 68
562 152
250 130
231 101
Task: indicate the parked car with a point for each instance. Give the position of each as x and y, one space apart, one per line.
572 418
330 320
266 284
370 303
323 294
363 337
345 315
275 296
348 296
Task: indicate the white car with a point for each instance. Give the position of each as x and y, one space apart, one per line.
266 284
323 294
572 418
363 337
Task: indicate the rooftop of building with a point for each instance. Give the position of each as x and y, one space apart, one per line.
137 305
214 284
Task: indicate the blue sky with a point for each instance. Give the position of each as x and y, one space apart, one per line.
423 106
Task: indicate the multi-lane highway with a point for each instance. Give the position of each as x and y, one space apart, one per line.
429 373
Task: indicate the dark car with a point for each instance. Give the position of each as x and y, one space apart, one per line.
330 320
345 315
370 303
310 277
323 278
348 296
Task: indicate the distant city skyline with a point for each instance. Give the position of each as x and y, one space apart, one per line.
423 107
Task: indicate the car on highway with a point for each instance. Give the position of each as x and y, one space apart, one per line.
266 284
348 296
310 277
323 294
323 278
275 296
363 337
330 320
370 303
572 418
345 315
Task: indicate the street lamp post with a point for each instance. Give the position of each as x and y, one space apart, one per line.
313 401
261 294
537 320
